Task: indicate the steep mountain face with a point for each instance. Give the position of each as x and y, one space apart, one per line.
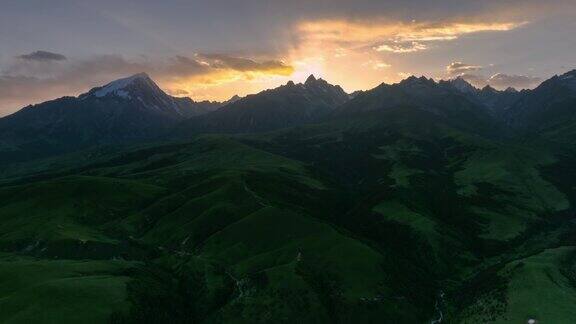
496 101
141 89
441 100
233 99
416 92
463 85
288 105
550 108
190 108
355 93
125 110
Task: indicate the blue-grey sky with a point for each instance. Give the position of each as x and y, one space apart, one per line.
214 49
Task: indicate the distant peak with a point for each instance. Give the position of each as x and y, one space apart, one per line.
413 80
355 93
117 86
568 79
234 98
488 88
568 75
510 89
137 76
310 79
460 79
142 75
462 85
290 83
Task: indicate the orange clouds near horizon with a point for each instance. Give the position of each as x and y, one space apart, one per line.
358 55
344 31
344 52
355 55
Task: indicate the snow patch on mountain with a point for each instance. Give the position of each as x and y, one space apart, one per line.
117 87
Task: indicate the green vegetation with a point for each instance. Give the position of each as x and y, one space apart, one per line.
56 291
368 219
539 287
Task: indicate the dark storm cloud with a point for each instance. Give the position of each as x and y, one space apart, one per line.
42 56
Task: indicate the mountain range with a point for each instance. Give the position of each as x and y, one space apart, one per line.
135 109
126 110
285 106
417 202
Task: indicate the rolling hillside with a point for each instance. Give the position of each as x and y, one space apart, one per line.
409 203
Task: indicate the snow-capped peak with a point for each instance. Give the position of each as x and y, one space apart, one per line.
118 86
138 88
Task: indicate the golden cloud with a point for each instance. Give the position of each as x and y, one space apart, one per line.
381 65
208 73
400 47
459 68
351 52
223 83
341 31
223 61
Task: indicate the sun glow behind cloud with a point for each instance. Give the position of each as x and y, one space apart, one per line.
219 76
355 32
399 47
355 55
221 85
357 44
349 53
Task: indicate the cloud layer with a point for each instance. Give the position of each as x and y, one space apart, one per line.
459 68
472 73
222 61
402 47
42 56
34 78
395 34
214 49
502 81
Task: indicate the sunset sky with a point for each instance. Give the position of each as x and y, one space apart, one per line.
219 48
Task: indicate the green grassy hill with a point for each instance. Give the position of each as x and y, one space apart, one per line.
367 219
